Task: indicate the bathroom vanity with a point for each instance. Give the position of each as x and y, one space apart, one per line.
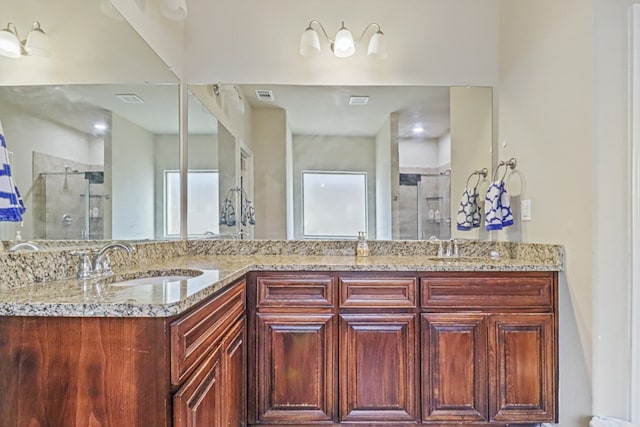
288 339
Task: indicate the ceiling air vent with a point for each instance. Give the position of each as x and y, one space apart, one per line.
130 98
358 100
265 95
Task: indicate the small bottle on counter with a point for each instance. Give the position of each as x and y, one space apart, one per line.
363 247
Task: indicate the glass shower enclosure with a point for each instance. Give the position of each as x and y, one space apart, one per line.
69 205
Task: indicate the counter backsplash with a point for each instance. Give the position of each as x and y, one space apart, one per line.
24 267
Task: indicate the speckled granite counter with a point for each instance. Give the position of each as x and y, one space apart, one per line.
222 263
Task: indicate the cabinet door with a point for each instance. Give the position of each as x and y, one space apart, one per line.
454 367
295 367
234 362
198 402
522 368
378 380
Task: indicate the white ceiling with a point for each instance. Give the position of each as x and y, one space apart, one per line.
311 110
325 110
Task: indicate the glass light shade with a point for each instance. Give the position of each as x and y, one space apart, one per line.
174 9
37 42
377 46
9 43
309 43
344 46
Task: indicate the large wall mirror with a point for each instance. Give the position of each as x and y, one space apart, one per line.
390 161
90 129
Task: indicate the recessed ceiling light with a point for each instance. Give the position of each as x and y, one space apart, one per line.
358 100
100 127
418 129
130 98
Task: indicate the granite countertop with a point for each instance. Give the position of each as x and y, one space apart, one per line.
100 298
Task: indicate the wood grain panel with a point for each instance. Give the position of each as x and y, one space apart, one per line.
234 370
378 371
60 372
522 368
288 291
454 367
374 292
198 402
490 290
296 359
194 335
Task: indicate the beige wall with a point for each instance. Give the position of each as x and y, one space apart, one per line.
545 121
471 133
611 209
87 46
131 173
269 149
452 42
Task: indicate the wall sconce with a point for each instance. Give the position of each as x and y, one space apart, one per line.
175 10
344 44
37 43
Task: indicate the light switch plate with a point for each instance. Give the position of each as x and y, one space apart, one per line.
525 210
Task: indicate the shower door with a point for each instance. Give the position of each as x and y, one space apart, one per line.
434 206
69 206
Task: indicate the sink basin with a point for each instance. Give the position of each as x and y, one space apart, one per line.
152 277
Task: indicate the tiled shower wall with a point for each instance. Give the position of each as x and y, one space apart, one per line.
59 201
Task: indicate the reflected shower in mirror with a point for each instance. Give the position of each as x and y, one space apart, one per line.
92 158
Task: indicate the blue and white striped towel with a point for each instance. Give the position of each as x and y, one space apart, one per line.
469 211
497 209
11 205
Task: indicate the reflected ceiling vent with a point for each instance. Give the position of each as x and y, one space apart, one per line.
358 100
265 95
130 98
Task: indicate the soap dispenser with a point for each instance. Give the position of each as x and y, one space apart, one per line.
363 247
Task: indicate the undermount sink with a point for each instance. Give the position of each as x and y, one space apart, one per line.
152 277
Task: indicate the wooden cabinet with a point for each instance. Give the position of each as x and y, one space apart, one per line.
293 369
198 402
522 367
454 367
113 372
378 367
489 347
296 379
446 348
378 374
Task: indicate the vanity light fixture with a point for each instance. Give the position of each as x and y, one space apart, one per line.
175 10
343 45
36 44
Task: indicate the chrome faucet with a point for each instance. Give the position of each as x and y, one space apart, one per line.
96 263
101 263
24 245
448 251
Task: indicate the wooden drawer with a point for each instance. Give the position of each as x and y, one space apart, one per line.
506 290
194 335
378 292
295 291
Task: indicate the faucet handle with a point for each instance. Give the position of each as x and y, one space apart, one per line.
84 267
105 266
456 251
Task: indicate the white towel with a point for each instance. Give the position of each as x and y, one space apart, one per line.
497 209
11 205
469 211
